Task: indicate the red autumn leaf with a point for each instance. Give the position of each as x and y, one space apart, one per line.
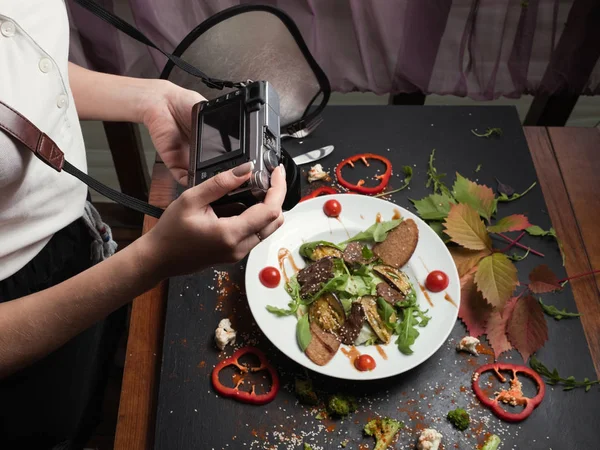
515 222
527 329
496 328
466 259
474 310
542 280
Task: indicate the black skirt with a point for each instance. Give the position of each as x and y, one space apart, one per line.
56 402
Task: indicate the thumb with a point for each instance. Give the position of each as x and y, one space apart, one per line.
221 184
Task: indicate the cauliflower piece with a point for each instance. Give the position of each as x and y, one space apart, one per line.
224 334
429 439
468 344
316 173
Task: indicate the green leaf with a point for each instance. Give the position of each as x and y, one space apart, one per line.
376 232
407 332
478 168
387 313
534 230
307 249
588 387
553 311
506 198
434 178
496 278
408 172
480 198
513 222
464 227
489 132
303 332
515 257
367 253
434 207
293 289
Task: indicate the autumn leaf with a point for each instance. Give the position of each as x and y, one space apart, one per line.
496 278
434 206
480 198
473 310
464 227
527 329
542 280
514 222
496 328
466 259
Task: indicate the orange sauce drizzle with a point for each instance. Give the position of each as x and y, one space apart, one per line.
345 229
352 353
397 214
282 255
449 299
482 349
378 218
426 294
381 351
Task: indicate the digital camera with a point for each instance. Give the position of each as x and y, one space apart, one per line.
241 126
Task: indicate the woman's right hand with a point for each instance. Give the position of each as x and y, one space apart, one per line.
190 237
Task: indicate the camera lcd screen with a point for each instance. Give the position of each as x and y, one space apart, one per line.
221 131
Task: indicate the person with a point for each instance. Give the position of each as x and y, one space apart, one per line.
58 309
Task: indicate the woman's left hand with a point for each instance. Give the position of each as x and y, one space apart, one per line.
168 119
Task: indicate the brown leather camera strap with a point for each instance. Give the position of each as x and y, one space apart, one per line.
42 146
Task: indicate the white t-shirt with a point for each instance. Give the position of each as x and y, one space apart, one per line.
35 200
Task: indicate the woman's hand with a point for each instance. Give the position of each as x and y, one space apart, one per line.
190 237
167 115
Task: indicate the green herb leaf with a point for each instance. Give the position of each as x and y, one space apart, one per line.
376 232
407 332
480 198
489 132
515 257
387 313
303 332
307 249
478 168
506 198
292 287
553 311
408 172
434 178
553 378
367 253
434 207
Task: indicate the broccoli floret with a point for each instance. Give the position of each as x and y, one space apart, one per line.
305 393
384 430
459 418
341 405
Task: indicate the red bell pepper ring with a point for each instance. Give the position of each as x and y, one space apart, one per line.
514 395
359 187
244 396
325 190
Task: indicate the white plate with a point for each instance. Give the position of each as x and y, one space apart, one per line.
307 222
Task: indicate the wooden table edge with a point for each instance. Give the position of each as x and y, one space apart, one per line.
137 408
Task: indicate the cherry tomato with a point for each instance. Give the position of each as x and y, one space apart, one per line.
332 208
270 277
436 281
364 363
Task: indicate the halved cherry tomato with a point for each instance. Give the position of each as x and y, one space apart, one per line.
436 281
270 277
364 363
332 208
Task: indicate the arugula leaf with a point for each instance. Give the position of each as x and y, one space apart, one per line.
307 249
478 168
434 206
489 132
376 232
334 284
292 287
423 317
515 257
535 230
387 313
434 178
367 253
408 172
558 314
303 332
505 198
407 332
552 377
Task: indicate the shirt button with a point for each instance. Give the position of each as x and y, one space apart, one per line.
61 102
45 65
7 29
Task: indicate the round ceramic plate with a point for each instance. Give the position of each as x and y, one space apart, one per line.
307 222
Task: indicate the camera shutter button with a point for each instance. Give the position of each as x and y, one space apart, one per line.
262 180
271 160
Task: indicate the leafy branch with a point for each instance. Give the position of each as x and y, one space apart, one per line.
553 378
558 314
489 132
435 178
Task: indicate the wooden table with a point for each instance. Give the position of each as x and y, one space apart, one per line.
567 161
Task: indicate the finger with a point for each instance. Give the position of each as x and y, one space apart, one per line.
221 184
271 228
276 193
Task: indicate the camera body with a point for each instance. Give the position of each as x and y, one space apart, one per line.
241 126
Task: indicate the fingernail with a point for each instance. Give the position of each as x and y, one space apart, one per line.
244 169
282 170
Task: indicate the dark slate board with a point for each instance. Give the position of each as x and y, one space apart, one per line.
191 416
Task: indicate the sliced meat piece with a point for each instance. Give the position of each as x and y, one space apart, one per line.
323 345
353 253
353 324
399 244
314 275
389 294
